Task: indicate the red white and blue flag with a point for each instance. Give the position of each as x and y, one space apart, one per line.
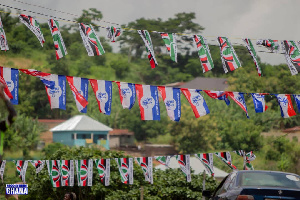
171 97
10 78
297 99
238 97
103 93
259 102
286 105
196 101
221 95
79 87
44 77
57 94
207 160
127 94
148 101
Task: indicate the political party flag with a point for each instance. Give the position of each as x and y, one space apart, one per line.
146 164
2 168
112 33
196 101
207 161
249 157
10 78
67 172
44 77
238 97
34 26
57 94
54 172
103 167
90 40
292 55
203 53
79 87
164 160
252 52
21 166
229 58
127 94
3 40
103 93
184 163
297 99
171 97
38 165
126 169
148 101
84 169
149 47
240 152
220 95
59 45
286 105
226 158
259 102
272 45
171 44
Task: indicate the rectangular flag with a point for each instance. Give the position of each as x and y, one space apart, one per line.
103 93
292 55
34 26
84 169
171 97
103 167
126 169
207 160
220 95
238 97
171 44
196 101
164 160
297 99
226 158
229 58
79 87
21 166
146 165
127 94
59 45
148 101
44 77
149 47
90 40
112 33
57 95
67 172
11 77
3 40
249 157
286 105
38 165
259 102
252 52
184 163
2 168
203 53
272 45
54 172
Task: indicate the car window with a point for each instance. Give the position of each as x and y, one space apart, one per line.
232 182
225 185
220 187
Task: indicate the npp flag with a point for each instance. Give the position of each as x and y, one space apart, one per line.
54 172
184 163
3 40
164 160
21 166
34 26
203 53
112 33
196 101
84 169
171 44
259 102
57 94
146 165
38 165
148 101
249 157
44 77
2 167
67 172
90 40
103 93
127 94
229 58
238 97
286 105
59 45
252 52
171 97
292 55
272 45
126 169
226 158
79 87
207 161
297 99
11 78
149 47
221 95
103 167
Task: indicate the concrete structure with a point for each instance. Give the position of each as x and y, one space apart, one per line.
290 133
46 137
81 130
159 150
121 138
218 84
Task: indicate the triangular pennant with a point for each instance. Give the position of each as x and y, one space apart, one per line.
226 158
286 105
204 53
171 44
2 168
249 157
67 172
54 172
207 161
238 97
259 102
127 94
164 160
59 45
184 163
38 165
171 97
21 166
103 167
57 94
11 78
44 77
126 169
149 47
112 33
103 93
3 40
147 166
292 55
241 153
252 52
84 169
272 45
220 95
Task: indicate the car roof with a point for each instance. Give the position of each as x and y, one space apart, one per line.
262 171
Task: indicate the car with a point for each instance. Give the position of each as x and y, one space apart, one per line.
257 185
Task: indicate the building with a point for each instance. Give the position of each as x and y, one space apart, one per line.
218 84
121 138
46 137
81 130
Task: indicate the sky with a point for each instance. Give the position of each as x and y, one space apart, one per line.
235 19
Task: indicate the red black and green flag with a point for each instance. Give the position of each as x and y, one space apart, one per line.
184 163
126 169
2 167
146 164
38 165
103 167
54 172
84 169
67 172
149 47
226 158
207 161
21 166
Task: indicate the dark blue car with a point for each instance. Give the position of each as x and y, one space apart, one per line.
257 185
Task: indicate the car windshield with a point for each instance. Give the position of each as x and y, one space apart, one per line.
269 179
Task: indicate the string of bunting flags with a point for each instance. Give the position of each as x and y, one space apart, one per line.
61 172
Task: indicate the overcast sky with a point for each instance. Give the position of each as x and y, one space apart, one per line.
255 19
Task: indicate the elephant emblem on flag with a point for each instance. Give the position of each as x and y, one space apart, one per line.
147 102
196 100
170 104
